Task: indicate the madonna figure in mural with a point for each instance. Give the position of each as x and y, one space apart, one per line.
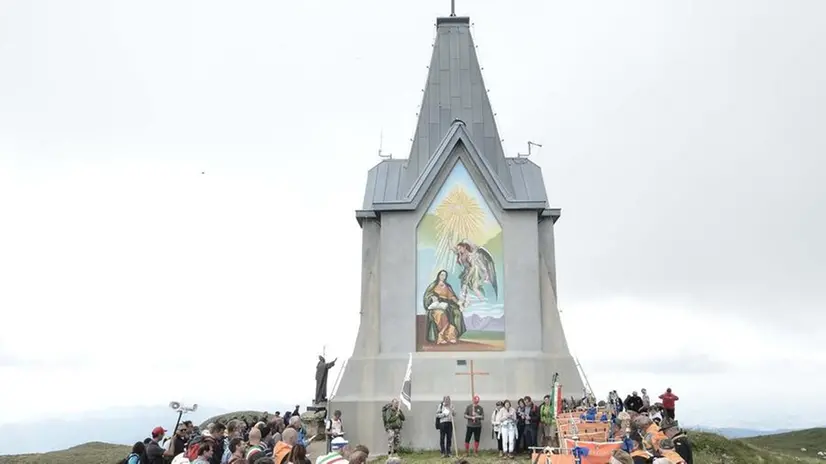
445 321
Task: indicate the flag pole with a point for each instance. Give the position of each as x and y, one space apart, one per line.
455 445
327 409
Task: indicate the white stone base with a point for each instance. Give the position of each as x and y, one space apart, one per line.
369 383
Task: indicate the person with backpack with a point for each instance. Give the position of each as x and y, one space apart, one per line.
154 451
393 418
547 419
138 454
205 453
335 428
193 448
496 427
444 417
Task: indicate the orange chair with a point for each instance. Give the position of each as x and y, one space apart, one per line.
568 459
603 449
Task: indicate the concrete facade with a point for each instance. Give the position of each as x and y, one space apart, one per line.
535 345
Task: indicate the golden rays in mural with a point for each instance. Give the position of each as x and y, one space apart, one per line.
459 217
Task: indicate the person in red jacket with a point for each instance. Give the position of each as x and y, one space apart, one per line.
668 402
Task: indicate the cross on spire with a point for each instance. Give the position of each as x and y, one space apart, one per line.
452 7
472 374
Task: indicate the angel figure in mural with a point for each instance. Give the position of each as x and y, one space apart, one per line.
445 321
477 269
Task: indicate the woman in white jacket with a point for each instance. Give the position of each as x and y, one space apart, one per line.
506 417
495 427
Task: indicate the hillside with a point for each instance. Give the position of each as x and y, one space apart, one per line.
708 449
89 453
813 440
123 426
734 432
246 416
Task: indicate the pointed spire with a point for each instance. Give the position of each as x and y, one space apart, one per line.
455 90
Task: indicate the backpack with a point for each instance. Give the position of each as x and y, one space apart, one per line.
384 413
194 447
126 460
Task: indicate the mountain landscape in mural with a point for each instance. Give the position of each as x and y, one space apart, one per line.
459 271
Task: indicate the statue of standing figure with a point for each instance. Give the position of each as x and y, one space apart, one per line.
321 370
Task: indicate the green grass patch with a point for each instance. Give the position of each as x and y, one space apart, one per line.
710 448
88 453
813 440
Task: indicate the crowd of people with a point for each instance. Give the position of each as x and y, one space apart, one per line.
267 440
639 403
516 428
647 432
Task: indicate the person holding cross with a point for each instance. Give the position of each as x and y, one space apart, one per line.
474 413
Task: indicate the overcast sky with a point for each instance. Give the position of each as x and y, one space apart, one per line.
684 142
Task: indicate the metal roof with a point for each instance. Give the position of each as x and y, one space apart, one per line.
385 189
455 90
455 107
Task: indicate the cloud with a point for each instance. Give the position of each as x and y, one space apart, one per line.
707 357
678 363
8 360
126 298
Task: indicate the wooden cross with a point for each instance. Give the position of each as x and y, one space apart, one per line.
472 375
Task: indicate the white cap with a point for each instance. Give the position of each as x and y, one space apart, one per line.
338 442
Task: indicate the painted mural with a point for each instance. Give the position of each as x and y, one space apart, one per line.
459 269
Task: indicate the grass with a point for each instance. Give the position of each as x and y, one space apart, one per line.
813 440
708 449
88 453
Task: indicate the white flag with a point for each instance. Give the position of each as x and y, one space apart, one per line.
404 396
557 398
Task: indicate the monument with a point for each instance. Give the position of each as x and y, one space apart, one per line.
321 371
458 267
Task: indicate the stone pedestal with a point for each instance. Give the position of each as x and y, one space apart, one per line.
314 421
512 375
